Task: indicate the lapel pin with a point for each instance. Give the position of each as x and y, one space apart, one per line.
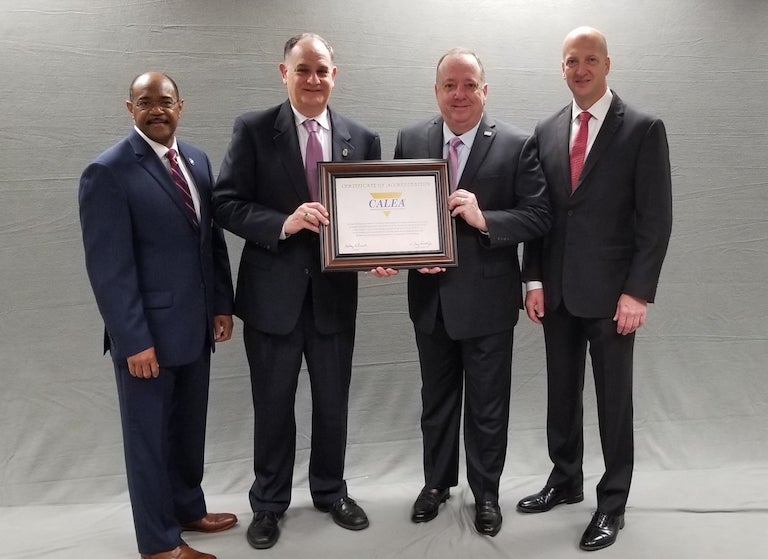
191 161
345 152
487 133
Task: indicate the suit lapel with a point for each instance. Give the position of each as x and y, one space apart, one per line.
199 171
341 140
149 160
563 135
287 149
613 120
435 141
486 133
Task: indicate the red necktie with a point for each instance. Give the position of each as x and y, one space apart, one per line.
314 154
453 160
181 184
579 148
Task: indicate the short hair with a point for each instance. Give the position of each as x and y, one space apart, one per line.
166 76
290 43
461 51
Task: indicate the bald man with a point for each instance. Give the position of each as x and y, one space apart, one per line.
590 279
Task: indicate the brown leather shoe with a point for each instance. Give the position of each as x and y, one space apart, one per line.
181 552
211 522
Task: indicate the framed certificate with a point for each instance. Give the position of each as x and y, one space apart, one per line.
386 213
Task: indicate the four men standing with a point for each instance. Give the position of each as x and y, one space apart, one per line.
160 273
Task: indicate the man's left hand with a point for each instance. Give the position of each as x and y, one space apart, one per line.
463 203
222 327
630 314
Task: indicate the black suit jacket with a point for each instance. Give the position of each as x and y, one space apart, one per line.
261 182
610 237
158 279
483 294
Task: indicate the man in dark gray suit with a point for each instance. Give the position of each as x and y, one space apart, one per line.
464 316
289 308
598 267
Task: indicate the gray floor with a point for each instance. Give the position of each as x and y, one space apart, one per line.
700 514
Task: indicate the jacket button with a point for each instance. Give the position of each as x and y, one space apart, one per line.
570 213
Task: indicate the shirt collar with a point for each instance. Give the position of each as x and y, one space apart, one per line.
322 119
467 138
598 110
157 147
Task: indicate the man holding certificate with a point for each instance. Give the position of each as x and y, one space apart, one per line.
464 316
267 194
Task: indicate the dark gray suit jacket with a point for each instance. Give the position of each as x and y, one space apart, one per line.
611 235
483 294
261 182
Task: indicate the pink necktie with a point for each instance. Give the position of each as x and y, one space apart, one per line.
181 184
453 160
314 154
579 148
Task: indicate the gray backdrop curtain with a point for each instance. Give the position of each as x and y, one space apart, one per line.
701 400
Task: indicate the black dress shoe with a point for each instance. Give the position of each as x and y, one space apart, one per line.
263 531
602 531
427 504
346 513
488 518
548 498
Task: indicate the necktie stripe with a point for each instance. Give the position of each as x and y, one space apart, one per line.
453 160
181 185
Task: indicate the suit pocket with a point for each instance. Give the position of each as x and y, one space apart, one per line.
157 299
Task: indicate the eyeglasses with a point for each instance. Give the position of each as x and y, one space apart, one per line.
146 105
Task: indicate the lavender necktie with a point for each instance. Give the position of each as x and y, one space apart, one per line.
453 160
314 154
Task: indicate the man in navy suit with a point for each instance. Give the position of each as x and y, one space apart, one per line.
464 316
591 278
289 308
160 273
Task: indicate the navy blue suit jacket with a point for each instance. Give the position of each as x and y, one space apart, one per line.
158 278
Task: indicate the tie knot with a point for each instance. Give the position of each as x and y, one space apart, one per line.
171 155
455 142
311 125
584 117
